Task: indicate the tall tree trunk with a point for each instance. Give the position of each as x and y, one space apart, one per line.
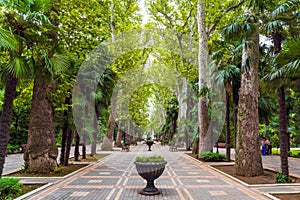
41 151
68 147
76 150
83 146
108 139
6 116
236 84
63 143
196 145
227 122
283 134
248 158
119 135
283 117
95 133
205 135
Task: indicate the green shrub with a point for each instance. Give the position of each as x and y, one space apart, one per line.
212 157
9 188
294 153
280 178
275 151
149 159
57 169
13 148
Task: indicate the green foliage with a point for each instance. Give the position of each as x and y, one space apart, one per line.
58 169
155 158
9 188
275 141
212 157
294 153
13 148
19 126
280 178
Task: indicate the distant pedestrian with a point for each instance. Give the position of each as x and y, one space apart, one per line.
263 147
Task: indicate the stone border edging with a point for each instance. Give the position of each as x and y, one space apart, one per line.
28 194
254 185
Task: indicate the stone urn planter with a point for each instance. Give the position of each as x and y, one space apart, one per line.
150 168
149 143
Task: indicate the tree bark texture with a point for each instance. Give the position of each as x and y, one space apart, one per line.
95 133
228 133
76 150
236 84
63 143
283 134
68 147
41 151
6 116
108 140
282 114
248 158
205 138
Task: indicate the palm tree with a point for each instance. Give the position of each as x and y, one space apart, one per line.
25 18
287 61
8 42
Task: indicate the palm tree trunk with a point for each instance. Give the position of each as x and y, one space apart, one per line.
68 146
236 84
41 151
248 158
283 132
283 119
63 144
227 124
76 150
6 116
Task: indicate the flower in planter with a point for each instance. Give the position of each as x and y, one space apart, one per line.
150 168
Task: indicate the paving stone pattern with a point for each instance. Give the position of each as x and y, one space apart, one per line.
115 177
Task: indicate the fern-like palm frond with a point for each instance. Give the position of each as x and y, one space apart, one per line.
18 67
7 40
60 63
289 57
38 16
274 26
283 8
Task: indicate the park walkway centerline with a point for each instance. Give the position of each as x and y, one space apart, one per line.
115 177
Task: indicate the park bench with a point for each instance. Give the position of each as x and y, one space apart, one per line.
220 144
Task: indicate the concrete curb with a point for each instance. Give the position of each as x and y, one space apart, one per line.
34 191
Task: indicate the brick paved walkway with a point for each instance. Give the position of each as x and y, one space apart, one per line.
115 177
